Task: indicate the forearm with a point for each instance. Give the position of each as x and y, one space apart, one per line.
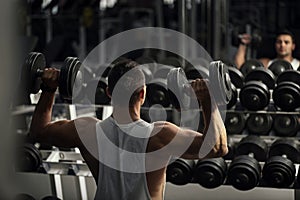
215 137
42 114
240 55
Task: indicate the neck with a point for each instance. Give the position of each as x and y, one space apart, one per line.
126 115
288 58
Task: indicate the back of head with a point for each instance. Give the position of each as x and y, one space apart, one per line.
125 80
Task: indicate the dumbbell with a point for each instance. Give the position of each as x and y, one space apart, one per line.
259 123
231 149
219 80
157 92
180 171
286 94
244 171
70 76
98 97
211 172
237 80
235 122
279 66
51 198
29 158
250 65
286 125
279 170
255 94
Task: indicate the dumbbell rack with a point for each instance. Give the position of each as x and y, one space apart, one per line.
57 162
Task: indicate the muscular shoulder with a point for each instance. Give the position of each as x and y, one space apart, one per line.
163 132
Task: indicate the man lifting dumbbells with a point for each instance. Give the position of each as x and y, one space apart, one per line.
284 46
136 178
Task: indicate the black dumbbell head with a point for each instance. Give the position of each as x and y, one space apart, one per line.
210 173
279 172
180 172
286 125
235 122
254 96
279 66
250 65
157 92
244 173
263 75
236 76
252 144
259 123
287 147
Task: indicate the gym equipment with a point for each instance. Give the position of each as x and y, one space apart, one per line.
50 198
286 94
231 149
162 71
287 147
99 97
250 65
194 72
219 80
29 158
157 92
286 125
279 170
255 94
236 77
23 196
173 61
279 66
244 170
210 173
235 122
259 123
232 102
70 75
180 171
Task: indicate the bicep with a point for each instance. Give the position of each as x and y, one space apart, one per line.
61 133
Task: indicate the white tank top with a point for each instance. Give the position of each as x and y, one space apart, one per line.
122 160
295 63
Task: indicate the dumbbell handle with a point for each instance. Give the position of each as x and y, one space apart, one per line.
40 72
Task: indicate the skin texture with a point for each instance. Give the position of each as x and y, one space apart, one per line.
63 133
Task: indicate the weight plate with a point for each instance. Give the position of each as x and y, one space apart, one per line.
76 79
179 172
252 144
234 97
287 147
33 63
286 125
279 66
289 76
157 93
262 74
236 76
286 96
279 172
98 96
244 173
177 89
259 123
194 72
220 82
250 65
210 173
235 122
162 71
254 96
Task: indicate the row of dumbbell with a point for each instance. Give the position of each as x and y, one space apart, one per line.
256 85
283 125
253 165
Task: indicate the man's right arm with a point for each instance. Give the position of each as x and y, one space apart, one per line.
240 55
190 144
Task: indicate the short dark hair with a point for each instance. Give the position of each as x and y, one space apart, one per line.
286 32
132 81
